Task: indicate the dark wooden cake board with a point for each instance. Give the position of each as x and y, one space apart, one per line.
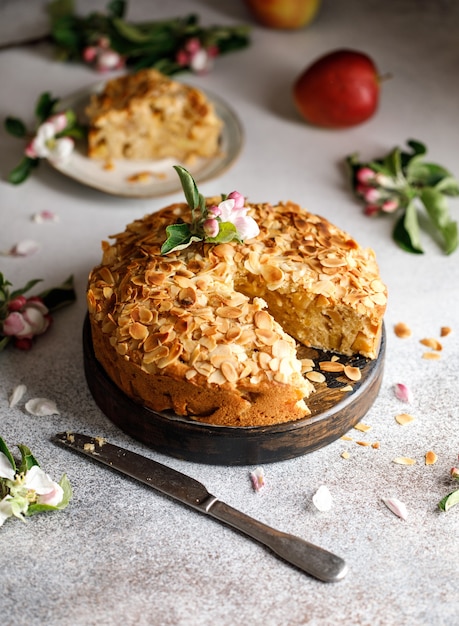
333 413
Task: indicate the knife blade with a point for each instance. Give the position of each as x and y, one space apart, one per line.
306 556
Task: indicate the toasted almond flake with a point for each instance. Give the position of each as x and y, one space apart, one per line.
315 377
335 358
403 460
431 458
397 507
331 366
402 330
41 407
322 499
431 342
346 388
89 447
445 331
375 445
362 427
363 443
404 418
345 454
353 373
17 395
431 356
346 438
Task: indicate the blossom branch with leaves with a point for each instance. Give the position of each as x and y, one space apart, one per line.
25 489
227 221
22 319
401 183
53 137
108 41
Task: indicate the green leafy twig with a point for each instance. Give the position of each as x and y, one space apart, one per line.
401 183
155 44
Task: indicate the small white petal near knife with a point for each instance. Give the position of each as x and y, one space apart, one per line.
312 559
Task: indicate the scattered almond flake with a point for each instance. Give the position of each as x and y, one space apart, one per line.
26 247
44 216
108 166
362 427
315 377
445 331
89 447
402 330
257 478
404 418
403 460
322 499
431 356
402 392
397 507
17 395
334 358
331 366
431 458
100 441
41 407
139 177
346 388
353 373
363 443
346 438
431 342
375 445
345 454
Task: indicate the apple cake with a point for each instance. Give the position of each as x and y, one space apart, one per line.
147 115
211 331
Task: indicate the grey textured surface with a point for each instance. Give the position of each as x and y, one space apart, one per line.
122 554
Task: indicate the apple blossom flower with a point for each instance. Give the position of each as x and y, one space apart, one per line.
198 58
322 499
102 56
257 478
45 144
235 214
26 319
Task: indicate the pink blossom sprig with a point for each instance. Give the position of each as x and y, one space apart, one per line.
227 221
102 57
22 319
403 184
52 138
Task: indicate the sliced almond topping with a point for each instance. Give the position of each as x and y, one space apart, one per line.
138 331
363 443
404 418
263 319
375 445
402 330
345 454
353 373
231 312
431 457
346 438
403 460
346 388
445 331
431 342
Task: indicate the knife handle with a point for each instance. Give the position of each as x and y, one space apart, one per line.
306 556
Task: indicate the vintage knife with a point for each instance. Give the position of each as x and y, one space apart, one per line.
310 558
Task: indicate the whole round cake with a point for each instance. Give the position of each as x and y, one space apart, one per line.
186 315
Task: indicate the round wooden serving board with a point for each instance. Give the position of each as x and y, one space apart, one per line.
333 413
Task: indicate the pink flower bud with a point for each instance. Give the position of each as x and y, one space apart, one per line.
89 54
17 303
371 210
389 206
371 195
30 150
214 210
455 473
211 227
365 175
182 58
109 60
193 45
59 122
238 198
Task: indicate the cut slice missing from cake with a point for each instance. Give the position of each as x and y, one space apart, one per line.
209 330
149 116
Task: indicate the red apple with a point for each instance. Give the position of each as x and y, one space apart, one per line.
339 90
288 14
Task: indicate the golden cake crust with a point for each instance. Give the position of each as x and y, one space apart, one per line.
196 332
147 115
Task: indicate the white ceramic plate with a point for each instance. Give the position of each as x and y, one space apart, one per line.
159 177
